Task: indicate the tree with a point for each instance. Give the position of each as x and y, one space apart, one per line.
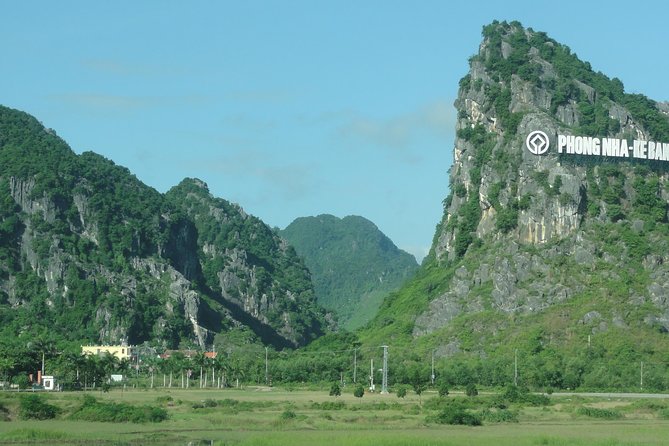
418 380
109 363
335 389
418 389
359 391
92 370
176 364
200 361
220 366
152 363
236 369
6 365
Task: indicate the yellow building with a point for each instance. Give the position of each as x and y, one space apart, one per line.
120 351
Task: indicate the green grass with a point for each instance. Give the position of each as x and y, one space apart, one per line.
301 417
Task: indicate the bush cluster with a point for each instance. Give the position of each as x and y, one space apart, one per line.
94 410
35 407
454 414
595 412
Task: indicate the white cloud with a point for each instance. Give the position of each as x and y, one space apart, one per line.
120 68
401 133
113 102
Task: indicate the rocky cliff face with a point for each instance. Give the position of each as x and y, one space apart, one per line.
91 254
557 246
249 266
533 211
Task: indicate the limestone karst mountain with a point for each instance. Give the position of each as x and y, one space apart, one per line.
90 254
562 256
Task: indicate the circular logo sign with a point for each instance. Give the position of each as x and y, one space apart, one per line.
537 142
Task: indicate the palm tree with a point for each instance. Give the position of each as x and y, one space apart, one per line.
123 367
68 367
220 364
43 348
152 364
201 361
109 363
93 370
236 369
178 362
168 366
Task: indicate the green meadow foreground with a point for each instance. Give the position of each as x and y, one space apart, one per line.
258 416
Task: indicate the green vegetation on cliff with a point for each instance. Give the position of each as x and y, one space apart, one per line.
89 254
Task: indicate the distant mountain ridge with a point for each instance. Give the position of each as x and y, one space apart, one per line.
91 254
353 264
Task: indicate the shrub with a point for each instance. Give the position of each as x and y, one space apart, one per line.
402 392
460 190
455 415
525 202
34 407
595 412
335 389
228 402
288 415
517 394
359 391
3 409
499 416
93 410
210 403
443 389
329 405
471 390
507 219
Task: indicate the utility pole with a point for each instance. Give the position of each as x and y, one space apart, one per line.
641 375
355 364
432 376
371 374
384 382
266 368
515 367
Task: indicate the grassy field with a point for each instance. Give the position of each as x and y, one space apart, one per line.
257 416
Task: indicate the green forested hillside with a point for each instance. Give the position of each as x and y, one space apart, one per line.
353 264
90 254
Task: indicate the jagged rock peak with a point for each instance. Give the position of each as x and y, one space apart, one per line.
521 81
194 182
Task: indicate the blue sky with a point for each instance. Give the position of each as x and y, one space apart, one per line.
292 108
